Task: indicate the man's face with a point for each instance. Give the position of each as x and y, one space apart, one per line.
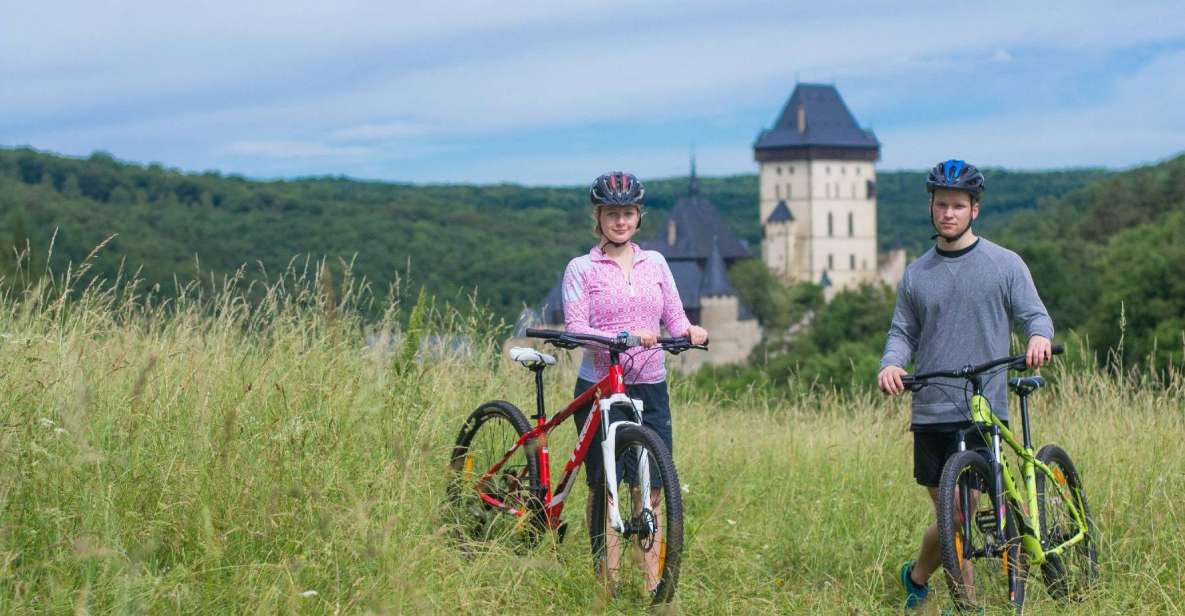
951 212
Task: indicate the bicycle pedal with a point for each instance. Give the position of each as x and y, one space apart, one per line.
561 531
986 521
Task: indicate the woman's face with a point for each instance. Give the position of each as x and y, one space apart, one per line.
618 223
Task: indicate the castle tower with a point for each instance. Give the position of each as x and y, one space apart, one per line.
817 191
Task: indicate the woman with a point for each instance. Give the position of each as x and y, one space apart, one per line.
618 287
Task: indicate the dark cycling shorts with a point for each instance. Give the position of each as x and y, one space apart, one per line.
656 415
931 448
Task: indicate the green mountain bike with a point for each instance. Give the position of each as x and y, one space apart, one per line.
990 529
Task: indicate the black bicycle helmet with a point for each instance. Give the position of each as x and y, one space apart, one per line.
617 188
955 175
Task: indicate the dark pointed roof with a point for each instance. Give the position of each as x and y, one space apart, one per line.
828 123
697 222
552 309
825 280
715 282
781 213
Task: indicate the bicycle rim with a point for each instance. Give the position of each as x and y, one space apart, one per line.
491 431
1071 573
985 566
644 560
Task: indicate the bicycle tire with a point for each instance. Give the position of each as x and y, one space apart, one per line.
666 544
998 564
490 431
1066 576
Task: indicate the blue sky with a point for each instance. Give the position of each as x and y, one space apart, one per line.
556 92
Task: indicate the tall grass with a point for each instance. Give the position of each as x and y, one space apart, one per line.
266 449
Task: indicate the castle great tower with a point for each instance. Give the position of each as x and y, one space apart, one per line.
818 192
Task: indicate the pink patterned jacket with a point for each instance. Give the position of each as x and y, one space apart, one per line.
598 300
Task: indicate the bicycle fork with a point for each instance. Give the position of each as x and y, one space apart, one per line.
609 457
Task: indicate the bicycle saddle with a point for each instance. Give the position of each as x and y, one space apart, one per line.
530 357
1023 386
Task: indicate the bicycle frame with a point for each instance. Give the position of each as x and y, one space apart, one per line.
982 415
606 393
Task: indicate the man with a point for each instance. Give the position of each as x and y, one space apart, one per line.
954 307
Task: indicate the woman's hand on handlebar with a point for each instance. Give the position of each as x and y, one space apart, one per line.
889 380
697 334
646 338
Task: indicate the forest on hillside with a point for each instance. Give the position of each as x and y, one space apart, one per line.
1104 248
506 242
1108 260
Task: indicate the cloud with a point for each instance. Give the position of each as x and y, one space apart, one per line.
1138 122
295 149
276 87
378 132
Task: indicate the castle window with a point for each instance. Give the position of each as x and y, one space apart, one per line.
843 170
779 168
830 224
778 190
830 262
857 170
852 262
787 190
828 168
851 230
791 169
871 188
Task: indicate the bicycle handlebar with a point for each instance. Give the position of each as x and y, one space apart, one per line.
1016 362
620 343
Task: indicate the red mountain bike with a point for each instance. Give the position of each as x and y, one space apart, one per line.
501 483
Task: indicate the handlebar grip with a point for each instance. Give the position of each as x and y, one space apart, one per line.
533 332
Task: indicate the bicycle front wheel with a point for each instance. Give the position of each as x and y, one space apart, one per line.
503 504
1069 574
646 552
981 554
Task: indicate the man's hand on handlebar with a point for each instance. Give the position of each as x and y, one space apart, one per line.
1039 352
889 380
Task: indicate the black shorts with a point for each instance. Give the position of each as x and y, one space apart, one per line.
656 415
931 448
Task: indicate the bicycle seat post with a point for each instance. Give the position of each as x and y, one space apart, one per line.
1024 417
540 414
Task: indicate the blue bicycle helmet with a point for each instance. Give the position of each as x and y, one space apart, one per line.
956 175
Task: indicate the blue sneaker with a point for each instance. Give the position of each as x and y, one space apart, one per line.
915 595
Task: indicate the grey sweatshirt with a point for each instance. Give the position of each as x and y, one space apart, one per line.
952 312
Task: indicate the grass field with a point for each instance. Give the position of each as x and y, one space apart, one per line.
213 455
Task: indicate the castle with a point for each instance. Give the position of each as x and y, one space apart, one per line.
817 203
817 195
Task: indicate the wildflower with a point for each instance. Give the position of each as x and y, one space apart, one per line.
309 593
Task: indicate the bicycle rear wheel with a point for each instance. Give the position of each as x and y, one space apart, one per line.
653 536
1069 574
489 432
985 565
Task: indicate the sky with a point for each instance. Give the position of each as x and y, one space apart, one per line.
554 92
